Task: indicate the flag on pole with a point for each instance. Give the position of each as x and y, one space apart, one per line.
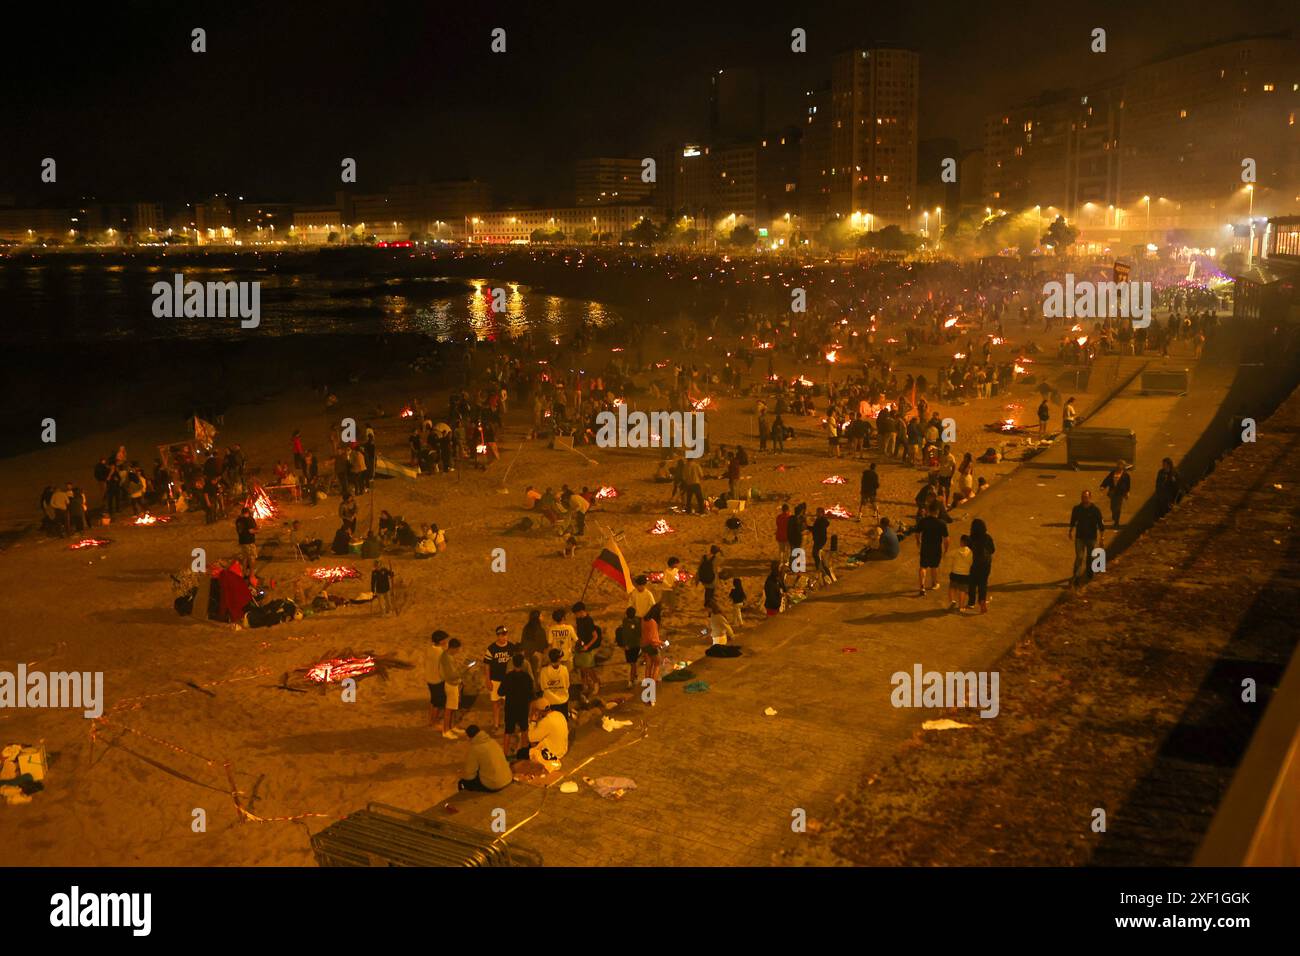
611 563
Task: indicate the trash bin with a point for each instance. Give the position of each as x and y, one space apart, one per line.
1110 445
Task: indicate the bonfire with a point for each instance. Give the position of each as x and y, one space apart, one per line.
836 511
407 412
834 480
832 356
657 577
260 504
147 519
340 668
334 574
663 527
88 543
702 404
1082 341
605 492
804 382
950 322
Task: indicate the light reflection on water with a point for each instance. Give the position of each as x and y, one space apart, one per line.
76 302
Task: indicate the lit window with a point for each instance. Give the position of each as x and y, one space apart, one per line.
1268 87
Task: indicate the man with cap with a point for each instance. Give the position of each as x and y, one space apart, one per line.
497 658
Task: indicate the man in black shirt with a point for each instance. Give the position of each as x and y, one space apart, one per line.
870 488
1088 529
932 541
246 529
517 692
820 531
498 657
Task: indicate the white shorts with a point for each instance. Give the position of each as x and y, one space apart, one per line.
453 696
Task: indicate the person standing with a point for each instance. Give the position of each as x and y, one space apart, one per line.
773 590
693 478
584 655
1117 485
517 690
453 675
959 575
59 507
1044 416
707 574
534 644
1169 487
981 546
498 656
869 490
1088 529
433 676
628 637
246 531
1068 414
381 586
561 637
932 543
820 532
794 532
783 534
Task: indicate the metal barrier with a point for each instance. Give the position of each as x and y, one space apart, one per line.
382 835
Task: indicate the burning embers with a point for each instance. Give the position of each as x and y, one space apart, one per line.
606 492
663 527
657 577
833 356
89 543
335 574
148 519
837 511
702 404
407 411
835 480
337 669
950 322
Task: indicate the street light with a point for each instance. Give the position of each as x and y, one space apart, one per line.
1147 200
1250 251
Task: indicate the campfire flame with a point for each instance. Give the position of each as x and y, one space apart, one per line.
702 404
260 503
657 577
340 668
480 449
835 511
88 543
834 480
1082 341
1020 369
335 574
147 518
950 322
407 412
1076 328
606 491
959 355
764 345
1008 424
662 527
803 381
832 356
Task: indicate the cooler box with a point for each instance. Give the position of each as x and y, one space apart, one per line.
1100 444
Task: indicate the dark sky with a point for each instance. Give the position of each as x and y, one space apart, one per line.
287 89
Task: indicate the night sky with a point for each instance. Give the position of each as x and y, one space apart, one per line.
286 90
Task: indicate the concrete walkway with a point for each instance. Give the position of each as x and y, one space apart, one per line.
719 783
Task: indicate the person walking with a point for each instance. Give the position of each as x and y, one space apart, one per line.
773 590
693 478
1169 487
981 565
628 637
1117 485
932 544
1088 529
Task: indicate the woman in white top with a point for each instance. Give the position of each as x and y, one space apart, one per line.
959 574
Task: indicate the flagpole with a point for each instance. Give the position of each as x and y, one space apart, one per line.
583 596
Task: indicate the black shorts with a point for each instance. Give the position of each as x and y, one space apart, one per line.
931 560
631 654
958 580
438 694
517 721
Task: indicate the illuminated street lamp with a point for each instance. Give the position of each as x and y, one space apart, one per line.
1147 200
1250 249
938 211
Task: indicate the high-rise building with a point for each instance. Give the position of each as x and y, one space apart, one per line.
778 175
860 139
603 180
735 105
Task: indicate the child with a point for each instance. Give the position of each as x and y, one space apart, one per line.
737 602
959 575
672 576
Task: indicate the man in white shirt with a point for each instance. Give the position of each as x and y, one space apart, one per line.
641 598
549 737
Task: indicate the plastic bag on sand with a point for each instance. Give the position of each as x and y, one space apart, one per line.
944 724
697 687
613 786
611 725
569 786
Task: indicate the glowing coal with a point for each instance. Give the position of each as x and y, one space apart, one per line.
836 511
702 404
605 492
148 519
340 668
334 574
89 543
835 480
663 527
